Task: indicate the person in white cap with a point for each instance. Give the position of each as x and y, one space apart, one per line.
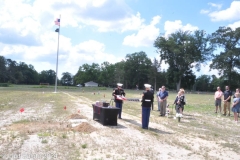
118 92
147 99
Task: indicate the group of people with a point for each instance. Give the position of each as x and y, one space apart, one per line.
227 95
162 95
147 102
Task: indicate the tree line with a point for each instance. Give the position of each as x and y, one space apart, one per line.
182 51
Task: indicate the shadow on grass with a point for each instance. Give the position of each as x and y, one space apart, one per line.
134 122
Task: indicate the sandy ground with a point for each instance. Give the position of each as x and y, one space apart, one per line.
39 134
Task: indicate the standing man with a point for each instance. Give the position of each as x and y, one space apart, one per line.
147 99
227 100
163 95
159 90
218 99
118 92
152 90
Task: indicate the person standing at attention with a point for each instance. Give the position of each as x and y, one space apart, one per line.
159 90
147 99
237 91
163 95
227 100
118 92
218 99
236 106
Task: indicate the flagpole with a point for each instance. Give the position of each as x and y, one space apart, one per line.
57 56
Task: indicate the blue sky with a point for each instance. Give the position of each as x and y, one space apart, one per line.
102 30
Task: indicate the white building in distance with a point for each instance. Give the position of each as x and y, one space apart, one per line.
91 84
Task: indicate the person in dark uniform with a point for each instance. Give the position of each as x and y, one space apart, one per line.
118 92
147 99
227 94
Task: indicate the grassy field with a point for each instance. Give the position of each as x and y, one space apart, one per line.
199 132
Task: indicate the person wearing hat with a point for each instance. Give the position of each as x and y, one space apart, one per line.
147 99
118 92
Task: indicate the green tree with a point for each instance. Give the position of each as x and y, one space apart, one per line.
87 73
106 77
3 70
155 69
12 68
119 73
216 82
228 61
203 83
47 76
183 51
67 78
137 69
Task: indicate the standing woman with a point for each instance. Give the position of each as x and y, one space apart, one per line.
183 97
118 92
234 96
236 106
147 99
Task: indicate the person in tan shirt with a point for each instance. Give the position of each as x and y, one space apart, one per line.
218 99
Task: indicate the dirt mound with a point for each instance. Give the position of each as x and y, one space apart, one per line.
77 116
84 127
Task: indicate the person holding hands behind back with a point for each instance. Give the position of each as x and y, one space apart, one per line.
227 100
163 95
147 99
236 106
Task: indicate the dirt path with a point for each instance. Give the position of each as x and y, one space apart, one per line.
38 133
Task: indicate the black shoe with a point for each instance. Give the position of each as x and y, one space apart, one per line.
119 117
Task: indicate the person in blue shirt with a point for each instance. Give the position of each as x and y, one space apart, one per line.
236 106
162 97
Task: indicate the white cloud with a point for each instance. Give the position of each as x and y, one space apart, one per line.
27 31
229 14
173 26
203 11
146 35
234 25
218 6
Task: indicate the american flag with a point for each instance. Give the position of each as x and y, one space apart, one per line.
57 22
120 97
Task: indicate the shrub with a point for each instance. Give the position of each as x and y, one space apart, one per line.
4 85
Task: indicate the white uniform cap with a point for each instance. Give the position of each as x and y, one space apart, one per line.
147 85
119 84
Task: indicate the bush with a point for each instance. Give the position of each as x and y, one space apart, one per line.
4 85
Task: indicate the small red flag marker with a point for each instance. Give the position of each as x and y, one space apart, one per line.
79 111
21 110
65 107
